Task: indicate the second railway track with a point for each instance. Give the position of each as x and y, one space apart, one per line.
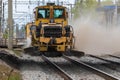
99 72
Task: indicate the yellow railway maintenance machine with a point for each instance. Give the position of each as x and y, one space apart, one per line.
50 30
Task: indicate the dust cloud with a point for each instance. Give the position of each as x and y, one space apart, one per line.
27 43
94 38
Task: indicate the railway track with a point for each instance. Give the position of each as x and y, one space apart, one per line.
76 72
92 69
99 72
115 56
31 68
38 70
113 62
57 69
104 63
8 58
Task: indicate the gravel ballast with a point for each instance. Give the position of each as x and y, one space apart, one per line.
76 72
36 69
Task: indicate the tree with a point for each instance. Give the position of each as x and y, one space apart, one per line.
83 6
107 2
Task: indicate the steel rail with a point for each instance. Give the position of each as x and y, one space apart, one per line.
114 56
62 73
113 62
92 69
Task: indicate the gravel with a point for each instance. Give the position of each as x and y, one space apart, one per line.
100 64
76 72
29 57
36 69
111 58
38 73
88 59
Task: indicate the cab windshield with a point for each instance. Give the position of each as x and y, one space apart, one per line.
59 13
43 13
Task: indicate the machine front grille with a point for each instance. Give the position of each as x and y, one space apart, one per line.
52 31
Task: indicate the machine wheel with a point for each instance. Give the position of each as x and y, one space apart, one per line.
77 53
74 53
52 54
33 51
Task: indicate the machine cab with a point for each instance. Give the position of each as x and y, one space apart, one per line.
51 14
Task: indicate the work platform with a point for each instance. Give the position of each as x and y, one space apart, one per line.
17 42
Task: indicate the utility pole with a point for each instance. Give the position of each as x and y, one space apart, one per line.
71 15
10 24
3 19
0 18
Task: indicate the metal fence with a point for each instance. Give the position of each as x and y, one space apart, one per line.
17 42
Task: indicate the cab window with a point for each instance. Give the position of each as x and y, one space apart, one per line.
43 13
59 13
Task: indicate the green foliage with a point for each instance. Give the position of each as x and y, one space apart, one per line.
90 4
5 36
83 7
107 2
15 77
17 52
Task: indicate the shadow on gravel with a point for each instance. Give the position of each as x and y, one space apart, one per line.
108 65
15 61
11 60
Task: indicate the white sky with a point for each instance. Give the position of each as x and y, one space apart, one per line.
71 1
24 8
